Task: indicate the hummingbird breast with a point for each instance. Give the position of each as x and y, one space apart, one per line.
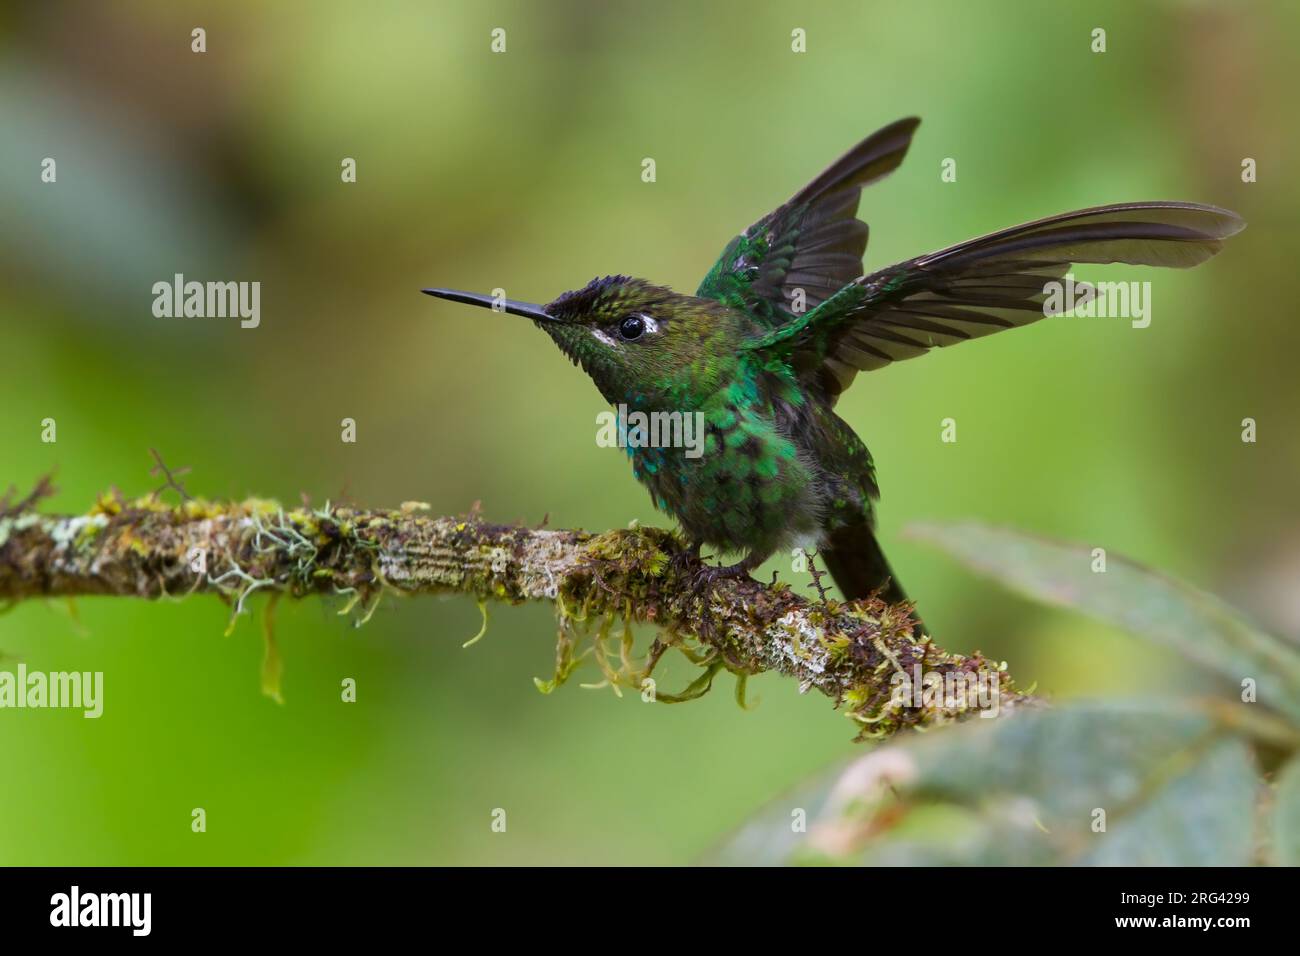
751 488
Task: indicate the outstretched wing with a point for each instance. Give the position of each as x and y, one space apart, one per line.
985 285
814 242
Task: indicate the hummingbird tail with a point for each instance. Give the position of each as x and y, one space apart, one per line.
853 556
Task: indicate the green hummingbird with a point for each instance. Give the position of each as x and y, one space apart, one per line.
780 326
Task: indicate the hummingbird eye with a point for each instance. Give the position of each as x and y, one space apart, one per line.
635 326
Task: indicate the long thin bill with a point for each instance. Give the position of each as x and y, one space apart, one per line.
526 309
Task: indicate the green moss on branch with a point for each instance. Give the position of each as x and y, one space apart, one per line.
849 651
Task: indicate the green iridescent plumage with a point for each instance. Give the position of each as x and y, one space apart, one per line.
782 323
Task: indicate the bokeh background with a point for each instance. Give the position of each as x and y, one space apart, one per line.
522 170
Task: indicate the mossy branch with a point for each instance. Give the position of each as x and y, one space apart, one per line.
848 651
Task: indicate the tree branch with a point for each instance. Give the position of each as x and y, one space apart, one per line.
849 651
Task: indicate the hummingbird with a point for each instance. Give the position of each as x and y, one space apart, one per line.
783 322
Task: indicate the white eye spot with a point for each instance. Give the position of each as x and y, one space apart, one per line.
650 324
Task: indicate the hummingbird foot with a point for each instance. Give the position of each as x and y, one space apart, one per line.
708 575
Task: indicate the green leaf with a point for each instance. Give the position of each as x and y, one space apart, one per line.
1170 787
1286 815
1147 603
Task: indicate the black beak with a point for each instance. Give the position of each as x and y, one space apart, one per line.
526 309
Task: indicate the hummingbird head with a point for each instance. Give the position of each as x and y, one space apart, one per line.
642 344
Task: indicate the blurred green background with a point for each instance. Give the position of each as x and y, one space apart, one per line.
522 170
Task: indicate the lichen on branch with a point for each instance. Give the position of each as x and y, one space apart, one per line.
599 583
